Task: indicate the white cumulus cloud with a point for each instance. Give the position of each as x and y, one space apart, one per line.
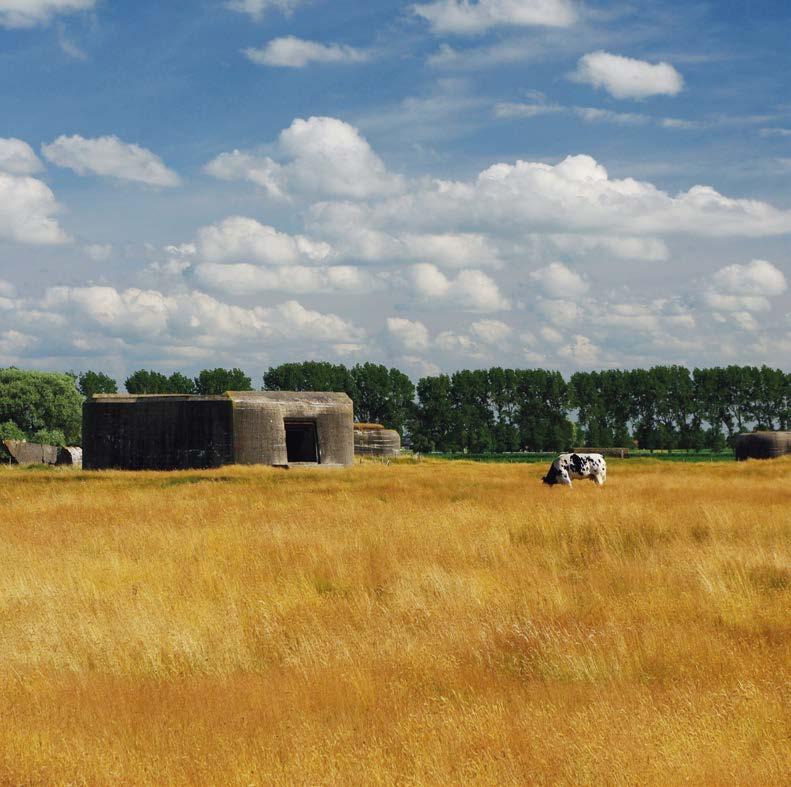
18 158
292 52
625 248
321 156
745 288
411 335
470 290
581 351
27 212
758 277
110 157
194 318
625 77
244 279
238 239
559 281
575 196
490 331
462 17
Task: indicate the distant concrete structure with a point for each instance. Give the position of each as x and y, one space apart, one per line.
620 453
20 452
161 432
376 441
762 445
70 457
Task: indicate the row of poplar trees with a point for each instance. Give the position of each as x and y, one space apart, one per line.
503 410
491 410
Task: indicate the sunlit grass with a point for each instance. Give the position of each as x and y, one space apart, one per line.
420 623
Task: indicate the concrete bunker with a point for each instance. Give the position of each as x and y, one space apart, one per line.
20 452
277 428
762 445
373 440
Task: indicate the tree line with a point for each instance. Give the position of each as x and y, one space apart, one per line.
490 410
504 410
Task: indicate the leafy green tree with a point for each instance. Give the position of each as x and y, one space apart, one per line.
215 382
472 417
10 431
768 397
91 383
433 417
784 408
382 395
739 388
675 406
36 401
504 403
150 382
644 408
310 376
179 383
711 400
543 411
146 382
715 440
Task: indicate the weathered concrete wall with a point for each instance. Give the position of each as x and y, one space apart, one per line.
377 442
259 425
762 445
70 457
22 453
180 432
157 432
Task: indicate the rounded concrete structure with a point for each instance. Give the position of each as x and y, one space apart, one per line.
20 452
762 445
375 440
276 428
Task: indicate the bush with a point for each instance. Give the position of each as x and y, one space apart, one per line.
10 431
41 401
49 437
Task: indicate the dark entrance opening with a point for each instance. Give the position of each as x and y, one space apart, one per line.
302 444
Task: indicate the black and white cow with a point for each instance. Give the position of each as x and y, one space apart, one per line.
568 466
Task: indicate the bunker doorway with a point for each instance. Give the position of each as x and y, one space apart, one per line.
302 445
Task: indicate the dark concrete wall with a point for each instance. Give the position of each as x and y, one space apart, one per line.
762 445
157 433
377 442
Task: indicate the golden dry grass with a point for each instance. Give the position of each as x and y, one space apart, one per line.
431 623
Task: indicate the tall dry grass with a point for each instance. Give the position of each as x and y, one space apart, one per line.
431 623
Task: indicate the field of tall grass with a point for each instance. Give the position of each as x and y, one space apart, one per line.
426 623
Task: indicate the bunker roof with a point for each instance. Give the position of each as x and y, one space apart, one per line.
287 397
279 397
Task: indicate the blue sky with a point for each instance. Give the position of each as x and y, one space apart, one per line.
433 185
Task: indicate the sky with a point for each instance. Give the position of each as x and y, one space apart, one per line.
437 185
